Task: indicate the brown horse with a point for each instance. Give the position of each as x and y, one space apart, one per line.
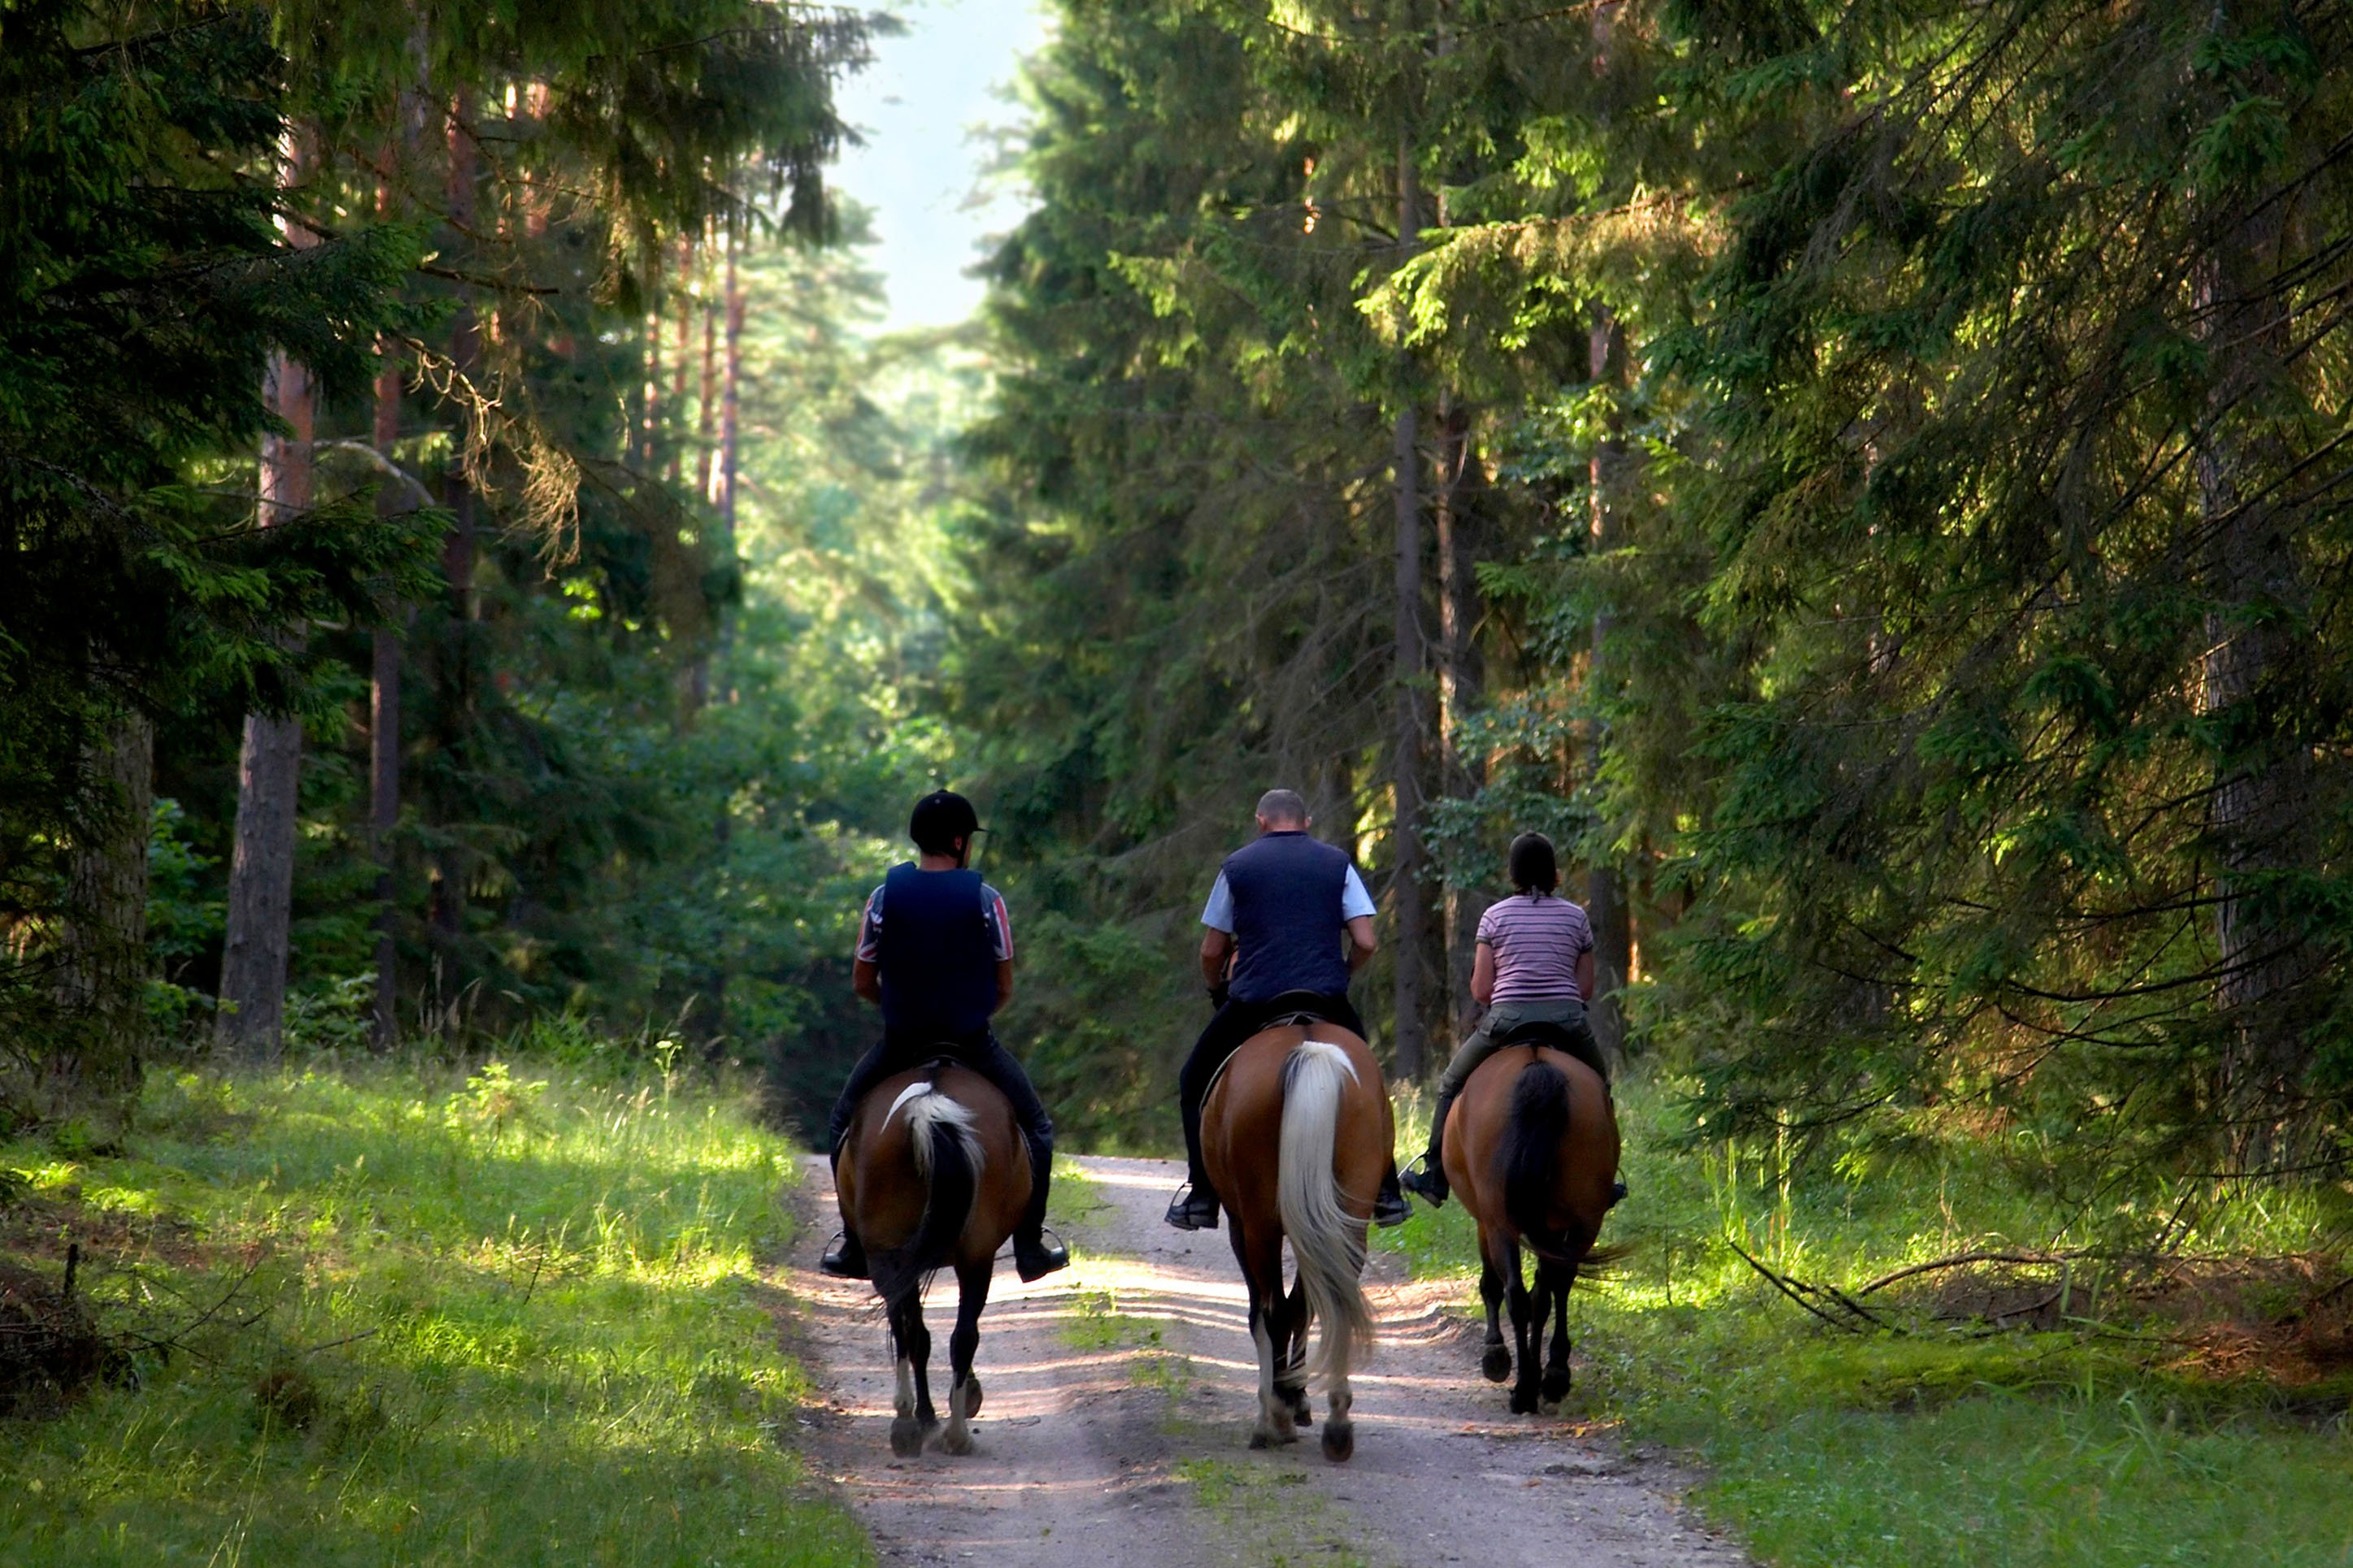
934 1173
1531 1151
1295 1133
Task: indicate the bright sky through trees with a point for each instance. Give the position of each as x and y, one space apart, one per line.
923 109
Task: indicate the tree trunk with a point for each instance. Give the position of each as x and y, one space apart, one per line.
1407 894
446 915
1606 905
706 406
1461 774
2260 822
384 741
103 942
258 949
730 406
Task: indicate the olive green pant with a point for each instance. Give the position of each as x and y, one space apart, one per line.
1500 1021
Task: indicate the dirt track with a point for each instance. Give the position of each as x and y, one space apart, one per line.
1118 1400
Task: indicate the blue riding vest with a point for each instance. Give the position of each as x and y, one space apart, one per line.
1287 891
938 955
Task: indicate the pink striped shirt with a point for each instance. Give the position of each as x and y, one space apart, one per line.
1537 938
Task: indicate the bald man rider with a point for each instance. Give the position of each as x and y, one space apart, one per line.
1291 916
935 952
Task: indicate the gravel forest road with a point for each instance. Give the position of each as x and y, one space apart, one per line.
1118 1398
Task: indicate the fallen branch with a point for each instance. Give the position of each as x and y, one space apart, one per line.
1798 1290
1963 1259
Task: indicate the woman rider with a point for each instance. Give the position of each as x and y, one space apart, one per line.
1533 965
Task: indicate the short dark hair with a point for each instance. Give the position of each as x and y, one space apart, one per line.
1533 869
1283 805
940 819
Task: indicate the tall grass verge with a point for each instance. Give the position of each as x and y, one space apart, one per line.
408 1313
2191 1410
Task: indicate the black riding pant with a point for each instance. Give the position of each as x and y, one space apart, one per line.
1235 1022
982 1055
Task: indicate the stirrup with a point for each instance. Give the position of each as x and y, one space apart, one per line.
1187 1212
1034 1257
1425 1181
845 1259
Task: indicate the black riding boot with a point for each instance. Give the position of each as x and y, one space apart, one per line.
1195 1206
1428 1183
845 1259
1034 1256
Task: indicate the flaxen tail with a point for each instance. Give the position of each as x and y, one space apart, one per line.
948 1160
1328 1245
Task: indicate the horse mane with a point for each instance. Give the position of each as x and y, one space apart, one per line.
949 1160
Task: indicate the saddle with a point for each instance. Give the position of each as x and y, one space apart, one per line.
1568 1042
1297 1008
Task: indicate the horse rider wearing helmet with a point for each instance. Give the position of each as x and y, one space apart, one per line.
1534 966
935 952
1283 908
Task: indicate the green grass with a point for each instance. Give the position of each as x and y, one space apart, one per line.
1948 1444
489 1320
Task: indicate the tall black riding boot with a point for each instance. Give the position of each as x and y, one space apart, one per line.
845 1259
1033 1255
1195 1206
1428 1183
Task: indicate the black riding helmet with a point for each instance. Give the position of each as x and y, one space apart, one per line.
940 819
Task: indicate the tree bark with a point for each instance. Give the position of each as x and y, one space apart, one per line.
1460 674
731 403
102 985
384 742
445 916
1606 905
2260 823
258 949
1407 896
706 405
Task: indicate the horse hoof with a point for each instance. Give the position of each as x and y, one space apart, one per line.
955 1440
1556 1390
906 1436
1340 1442
1497 1364
1524 1402
971 1397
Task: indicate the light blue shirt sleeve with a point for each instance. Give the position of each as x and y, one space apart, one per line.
1218 915
1353 900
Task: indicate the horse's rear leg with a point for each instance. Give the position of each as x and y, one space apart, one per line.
1261 1263
1496 1363
913 1342
1556 1282
963 1389
1291 1377
1527 1334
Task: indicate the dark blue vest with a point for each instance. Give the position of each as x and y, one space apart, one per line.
938 959
1287 890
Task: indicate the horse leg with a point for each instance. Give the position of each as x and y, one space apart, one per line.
1263 1273
1527 1334
1557 1281
963 1389
1496 1363
1291 1378
909 1346
1339 1429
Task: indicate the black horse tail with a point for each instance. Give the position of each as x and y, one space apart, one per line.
1529 1156
948 1159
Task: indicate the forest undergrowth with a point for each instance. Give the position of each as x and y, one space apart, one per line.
2105 1409
401 1310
